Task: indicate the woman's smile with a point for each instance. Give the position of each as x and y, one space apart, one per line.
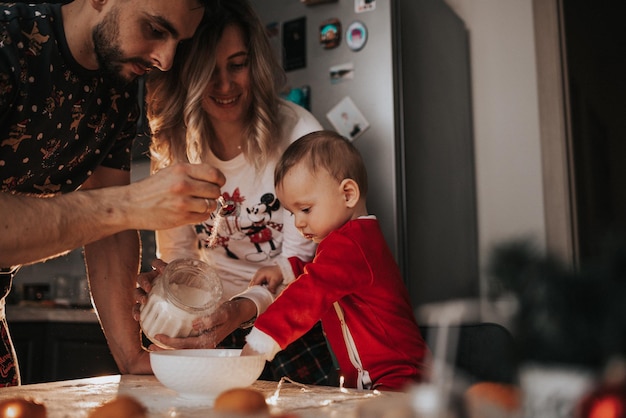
225 101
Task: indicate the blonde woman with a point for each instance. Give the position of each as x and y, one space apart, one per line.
221 106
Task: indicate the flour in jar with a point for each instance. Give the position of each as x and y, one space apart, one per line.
187 289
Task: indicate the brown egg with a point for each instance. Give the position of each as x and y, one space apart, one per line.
122 406
22 408
241 401
485 399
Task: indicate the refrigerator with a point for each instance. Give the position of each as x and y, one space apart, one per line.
394 77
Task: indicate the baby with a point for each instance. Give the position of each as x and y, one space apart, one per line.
353 285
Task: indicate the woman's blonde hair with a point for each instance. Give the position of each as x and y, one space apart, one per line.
180 128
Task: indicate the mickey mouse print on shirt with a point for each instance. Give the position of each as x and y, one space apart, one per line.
245 232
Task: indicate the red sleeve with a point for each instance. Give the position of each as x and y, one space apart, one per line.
297 265
324 281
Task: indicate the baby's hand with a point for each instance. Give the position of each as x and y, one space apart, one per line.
270 276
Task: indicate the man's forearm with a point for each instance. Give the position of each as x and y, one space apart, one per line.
113 265
35 228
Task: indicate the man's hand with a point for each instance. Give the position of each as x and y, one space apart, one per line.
176 195
144 282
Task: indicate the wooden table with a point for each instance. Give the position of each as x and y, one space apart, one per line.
76 398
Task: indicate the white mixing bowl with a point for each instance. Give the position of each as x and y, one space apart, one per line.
202 374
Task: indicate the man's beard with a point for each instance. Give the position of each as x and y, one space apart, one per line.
107 48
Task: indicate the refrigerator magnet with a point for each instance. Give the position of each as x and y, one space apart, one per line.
294 44
330 33
347 119
341 72
356 36
299 95
361 6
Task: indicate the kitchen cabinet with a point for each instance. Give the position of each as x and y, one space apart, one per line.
49 351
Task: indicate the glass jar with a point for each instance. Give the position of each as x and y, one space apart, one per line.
187 289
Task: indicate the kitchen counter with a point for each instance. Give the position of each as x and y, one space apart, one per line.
17 313
77 398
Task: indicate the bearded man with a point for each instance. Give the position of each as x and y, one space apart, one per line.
68 116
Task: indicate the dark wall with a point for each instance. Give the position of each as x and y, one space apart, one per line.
596 65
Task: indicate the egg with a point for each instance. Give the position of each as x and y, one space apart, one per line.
492 399
241 401
122 406
22 408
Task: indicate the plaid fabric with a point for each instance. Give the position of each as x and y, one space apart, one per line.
307 360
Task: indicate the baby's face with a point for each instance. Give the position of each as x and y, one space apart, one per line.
316 201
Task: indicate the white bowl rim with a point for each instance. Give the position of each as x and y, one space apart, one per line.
199 352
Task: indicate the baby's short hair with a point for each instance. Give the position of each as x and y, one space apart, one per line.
324 150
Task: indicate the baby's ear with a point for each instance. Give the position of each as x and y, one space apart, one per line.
351 192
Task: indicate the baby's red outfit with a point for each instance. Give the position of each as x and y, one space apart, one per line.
354 267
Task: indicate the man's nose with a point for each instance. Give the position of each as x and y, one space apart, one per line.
163 56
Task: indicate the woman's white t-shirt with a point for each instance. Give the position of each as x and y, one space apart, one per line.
257 231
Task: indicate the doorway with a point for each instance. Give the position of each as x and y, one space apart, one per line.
595 46
582 102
